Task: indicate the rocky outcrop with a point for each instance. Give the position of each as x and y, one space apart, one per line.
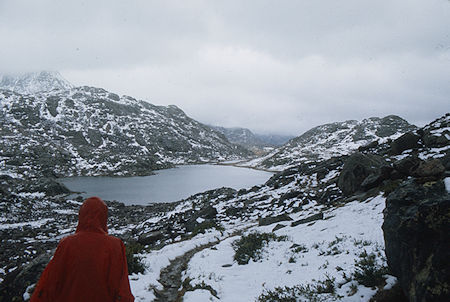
406 141
357 168
416 231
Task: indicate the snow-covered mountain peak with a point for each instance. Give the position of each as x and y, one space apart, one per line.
34 82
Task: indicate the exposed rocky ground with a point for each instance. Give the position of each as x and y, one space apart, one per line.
342 195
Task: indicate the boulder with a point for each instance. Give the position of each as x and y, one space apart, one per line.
406 141
375 179
429 168
417 238
318 216
356 169
407 165
150 237
273 219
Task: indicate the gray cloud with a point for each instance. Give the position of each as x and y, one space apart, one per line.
271 66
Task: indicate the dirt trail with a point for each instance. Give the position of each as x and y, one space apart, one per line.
170 276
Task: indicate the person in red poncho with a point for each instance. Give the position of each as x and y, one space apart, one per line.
89 265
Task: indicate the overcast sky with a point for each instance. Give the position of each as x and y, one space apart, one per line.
272 66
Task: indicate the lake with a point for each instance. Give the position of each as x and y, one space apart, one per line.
167 185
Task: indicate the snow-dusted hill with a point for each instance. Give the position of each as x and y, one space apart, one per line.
30 83
90 131
335 139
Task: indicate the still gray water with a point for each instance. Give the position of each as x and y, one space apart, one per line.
167 185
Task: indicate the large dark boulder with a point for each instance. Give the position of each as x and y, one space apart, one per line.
356 169
416 232
430 168
406 141
407 165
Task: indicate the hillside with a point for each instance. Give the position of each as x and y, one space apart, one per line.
90 131
248 139
311 232
334 139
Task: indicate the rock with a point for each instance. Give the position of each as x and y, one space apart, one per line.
375 179
279 226
406 141
49 186
416 231
407 165
369 146
433 141
273 219
18 280
432 167
311 218
289 195
356 169
150 237
208 212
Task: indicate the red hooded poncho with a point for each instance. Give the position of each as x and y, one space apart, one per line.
89 265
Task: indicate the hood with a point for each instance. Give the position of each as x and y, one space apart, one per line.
93 216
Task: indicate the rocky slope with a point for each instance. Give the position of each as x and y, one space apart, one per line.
90 131
330 140
316 220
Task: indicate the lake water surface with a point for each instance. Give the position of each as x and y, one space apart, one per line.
167 185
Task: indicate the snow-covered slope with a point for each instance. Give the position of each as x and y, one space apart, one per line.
90 131
30 83
335 139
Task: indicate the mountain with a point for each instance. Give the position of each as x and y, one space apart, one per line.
240 136
246 138
90 131
334 139
347 228
31 83
274 139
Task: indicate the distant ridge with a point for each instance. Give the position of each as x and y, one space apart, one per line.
334 139
34 82
246 138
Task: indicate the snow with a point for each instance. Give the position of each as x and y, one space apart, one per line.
447 183
199 295
333 242
33 224
157 260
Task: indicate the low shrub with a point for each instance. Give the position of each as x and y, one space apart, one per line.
206 225
251 245
368 272
134 262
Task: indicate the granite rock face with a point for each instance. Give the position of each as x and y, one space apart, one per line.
416 230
